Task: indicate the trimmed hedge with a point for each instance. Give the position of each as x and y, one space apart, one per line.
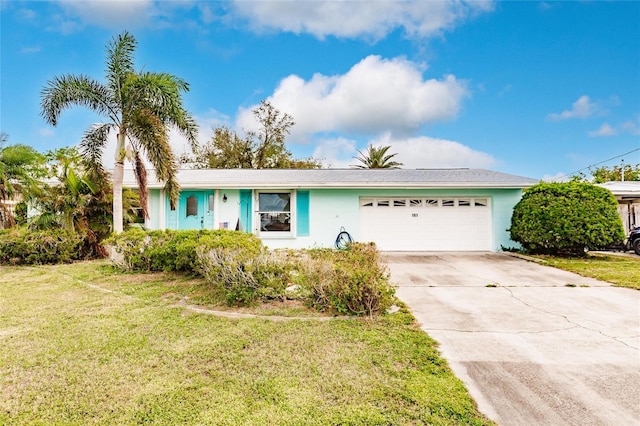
20 246
566 218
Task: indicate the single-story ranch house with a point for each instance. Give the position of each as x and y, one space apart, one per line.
398 209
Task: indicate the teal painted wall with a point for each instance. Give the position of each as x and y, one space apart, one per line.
332 209
170 215
302 213
245 210
329 210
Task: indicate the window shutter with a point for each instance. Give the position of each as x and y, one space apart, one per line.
246 210
302 212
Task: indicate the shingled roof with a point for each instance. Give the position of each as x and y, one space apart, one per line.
340 178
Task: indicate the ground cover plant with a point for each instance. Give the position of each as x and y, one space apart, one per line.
86 344
241 271
621 271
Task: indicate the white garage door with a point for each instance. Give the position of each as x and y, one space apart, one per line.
426 223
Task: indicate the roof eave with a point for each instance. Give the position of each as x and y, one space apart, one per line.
347 185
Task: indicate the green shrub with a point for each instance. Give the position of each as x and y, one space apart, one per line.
565 218
23 247
351 281
138 250
243 272
243 278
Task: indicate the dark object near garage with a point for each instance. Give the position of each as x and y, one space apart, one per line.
633 242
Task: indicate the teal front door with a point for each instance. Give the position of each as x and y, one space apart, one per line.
191 210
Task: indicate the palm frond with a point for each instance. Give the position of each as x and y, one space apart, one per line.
69 90
172 189
376 158
120 63
151 137
161 93
44 220
141 178
92 146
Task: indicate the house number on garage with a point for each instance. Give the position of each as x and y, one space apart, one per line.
414 214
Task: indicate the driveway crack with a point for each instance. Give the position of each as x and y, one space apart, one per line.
502 332
567 319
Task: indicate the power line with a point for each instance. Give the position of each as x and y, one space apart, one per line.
596 164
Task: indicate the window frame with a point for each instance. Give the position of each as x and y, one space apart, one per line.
291 233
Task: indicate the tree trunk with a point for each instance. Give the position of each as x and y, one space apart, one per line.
118 175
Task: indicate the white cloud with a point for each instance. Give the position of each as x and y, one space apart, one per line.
106 13
582 108
558 177
46 132
604 130
413 153
30 49
631 127
426 152
351 19
26 14
506 89
376 95
336 153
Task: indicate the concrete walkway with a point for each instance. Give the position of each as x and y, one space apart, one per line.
533 344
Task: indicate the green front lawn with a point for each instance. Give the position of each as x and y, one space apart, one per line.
83 344
621 271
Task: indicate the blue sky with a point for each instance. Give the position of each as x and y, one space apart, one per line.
539 89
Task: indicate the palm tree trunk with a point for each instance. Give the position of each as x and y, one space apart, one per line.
118 175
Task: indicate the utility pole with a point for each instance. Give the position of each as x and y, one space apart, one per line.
622 170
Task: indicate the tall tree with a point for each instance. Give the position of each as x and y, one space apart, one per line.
376 158
21 167
615 173
260 149
270 151
139 106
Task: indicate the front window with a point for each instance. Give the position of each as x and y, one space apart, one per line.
274 209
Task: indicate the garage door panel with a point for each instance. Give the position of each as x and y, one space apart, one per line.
429 224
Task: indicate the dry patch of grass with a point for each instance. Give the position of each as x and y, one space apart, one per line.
621 271
83 344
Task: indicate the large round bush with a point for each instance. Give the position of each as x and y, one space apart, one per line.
566 218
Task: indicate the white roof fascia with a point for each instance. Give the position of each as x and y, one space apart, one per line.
288 180
368 185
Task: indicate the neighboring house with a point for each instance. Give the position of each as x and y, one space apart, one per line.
398 209
628 196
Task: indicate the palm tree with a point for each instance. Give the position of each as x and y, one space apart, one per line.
79 202
140 108
65 203
376 158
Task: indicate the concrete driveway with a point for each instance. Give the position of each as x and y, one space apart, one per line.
530 349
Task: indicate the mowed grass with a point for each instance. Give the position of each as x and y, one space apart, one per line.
621 271
82 344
